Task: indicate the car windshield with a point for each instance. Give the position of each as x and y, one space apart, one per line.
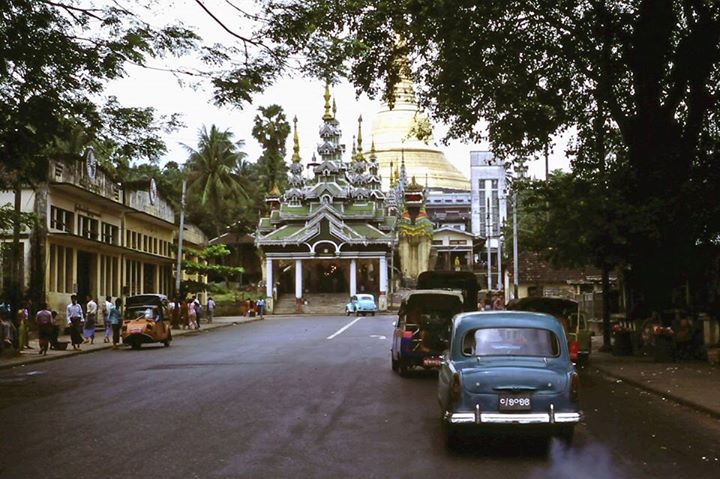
511 342
141 312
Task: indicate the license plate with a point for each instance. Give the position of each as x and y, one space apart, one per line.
514 402
434 363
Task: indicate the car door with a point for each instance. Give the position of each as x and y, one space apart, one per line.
397 333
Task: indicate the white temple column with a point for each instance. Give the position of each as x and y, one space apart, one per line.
383 275
268 278
298 286
353 277
298 279
382 299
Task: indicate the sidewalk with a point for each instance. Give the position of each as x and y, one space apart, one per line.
32 356
693 383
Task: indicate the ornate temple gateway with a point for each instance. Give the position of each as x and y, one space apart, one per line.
330 233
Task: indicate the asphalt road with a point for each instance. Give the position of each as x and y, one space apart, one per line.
291 398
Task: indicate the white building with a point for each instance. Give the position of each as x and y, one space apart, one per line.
489 203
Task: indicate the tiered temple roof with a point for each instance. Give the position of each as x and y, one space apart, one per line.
342 203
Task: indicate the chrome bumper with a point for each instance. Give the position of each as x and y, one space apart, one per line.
478 417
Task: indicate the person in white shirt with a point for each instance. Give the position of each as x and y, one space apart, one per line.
107 307
210 309
74 316
90 320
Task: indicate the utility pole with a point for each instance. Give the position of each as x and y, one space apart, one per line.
488 228
515 246
178 271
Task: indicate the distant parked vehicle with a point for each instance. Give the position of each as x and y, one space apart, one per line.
422 330
508 371
361 304
146 320
566 311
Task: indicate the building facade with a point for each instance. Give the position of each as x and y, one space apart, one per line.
94 237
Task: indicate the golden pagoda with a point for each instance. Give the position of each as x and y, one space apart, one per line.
395 132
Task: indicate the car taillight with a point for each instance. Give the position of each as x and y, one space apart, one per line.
455 387
407 335
574 387
573 351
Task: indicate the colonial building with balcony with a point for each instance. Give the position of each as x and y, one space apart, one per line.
93 237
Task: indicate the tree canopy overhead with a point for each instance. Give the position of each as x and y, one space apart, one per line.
639 80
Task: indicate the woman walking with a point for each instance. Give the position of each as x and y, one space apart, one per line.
192 315
185 314
115 318
74 317
90 321
44 321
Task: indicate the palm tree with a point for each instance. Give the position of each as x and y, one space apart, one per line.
213 172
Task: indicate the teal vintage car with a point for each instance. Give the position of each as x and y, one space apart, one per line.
361 304
508 372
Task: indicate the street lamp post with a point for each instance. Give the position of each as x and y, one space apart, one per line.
520 170
178 271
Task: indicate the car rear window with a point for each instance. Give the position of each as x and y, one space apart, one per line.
511 342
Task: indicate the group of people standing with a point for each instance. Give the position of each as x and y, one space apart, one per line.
82 325
188 313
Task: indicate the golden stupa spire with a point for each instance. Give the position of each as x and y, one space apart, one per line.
274 191
296 143
353 156
334 108
360 156
392 180
327 115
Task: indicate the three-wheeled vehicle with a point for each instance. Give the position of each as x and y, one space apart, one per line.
422 331
567 312
146 320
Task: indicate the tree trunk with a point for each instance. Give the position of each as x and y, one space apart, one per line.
14 289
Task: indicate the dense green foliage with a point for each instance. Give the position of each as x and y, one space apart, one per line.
271 130
626 75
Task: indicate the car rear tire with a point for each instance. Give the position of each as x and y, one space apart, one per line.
373 313
357 313
403 368
347 312
135 344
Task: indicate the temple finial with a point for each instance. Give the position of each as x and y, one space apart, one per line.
334 108
353 157
296 143
360 156
327 115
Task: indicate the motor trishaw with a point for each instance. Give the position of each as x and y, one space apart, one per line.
146 320
568 313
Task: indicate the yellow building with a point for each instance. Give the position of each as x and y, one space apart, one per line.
95 237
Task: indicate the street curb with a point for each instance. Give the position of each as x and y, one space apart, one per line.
671 396
43 359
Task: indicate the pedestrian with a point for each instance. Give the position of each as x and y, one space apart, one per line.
175 312
115 319
55 331
248 307
198 310
498 303
192 314
90 320
210 309
185 314
44 321
74 317
261 307
23 324
107 306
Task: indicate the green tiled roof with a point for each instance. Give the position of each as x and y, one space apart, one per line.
353 209
366 231
284 232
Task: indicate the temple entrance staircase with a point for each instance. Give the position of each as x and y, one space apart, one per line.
318 303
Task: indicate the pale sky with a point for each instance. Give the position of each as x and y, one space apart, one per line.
298 97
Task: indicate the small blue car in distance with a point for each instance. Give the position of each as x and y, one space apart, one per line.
508 371
361 304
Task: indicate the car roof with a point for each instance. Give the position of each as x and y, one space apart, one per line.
145 300
506 319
